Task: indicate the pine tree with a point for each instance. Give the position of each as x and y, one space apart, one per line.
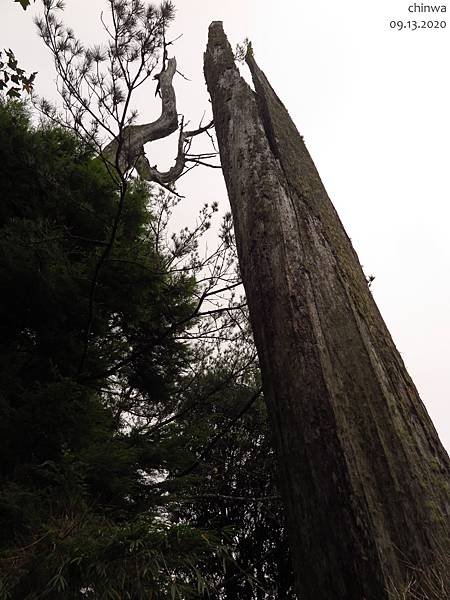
79 507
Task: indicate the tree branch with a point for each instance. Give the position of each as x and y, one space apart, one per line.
165 178
135 136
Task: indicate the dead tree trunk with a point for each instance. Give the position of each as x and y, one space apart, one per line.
364 475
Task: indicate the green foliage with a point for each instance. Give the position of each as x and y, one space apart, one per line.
234 490
79 509
110 71
24 3
13 80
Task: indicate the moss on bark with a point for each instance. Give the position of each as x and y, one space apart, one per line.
364 473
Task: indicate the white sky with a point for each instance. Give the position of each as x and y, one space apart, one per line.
373 106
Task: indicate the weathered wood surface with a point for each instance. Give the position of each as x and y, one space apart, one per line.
128 152
363 473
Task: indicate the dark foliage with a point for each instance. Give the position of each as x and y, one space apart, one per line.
76 479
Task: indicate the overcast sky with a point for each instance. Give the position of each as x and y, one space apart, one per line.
373 106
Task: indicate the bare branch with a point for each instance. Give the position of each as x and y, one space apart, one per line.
164 178
135 136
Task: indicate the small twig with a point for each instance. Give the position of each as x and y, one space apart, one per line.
201 162
183 76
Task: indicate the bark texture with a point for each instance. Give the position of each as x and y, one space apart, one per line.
363 473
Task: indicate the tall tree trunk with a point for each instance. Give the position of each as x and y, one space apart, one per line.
365 476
